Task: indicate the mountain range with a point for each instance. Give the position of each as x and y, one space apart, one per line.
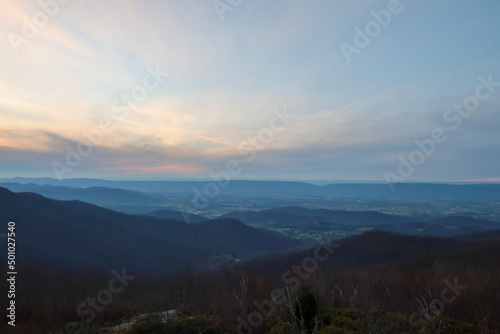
74 233
326 220
404 191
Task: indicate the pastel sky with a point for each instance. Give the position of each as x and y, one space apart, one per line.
61 76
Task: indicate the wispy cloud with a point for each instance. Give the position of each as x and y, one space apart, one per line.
225 80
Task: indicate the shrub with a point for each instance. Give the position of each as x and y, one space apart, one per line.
452 326
149 324
154 324
281 328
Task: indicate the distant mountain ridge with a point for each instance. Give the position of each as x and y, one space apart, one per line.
444 227
94 194
302 216
427 191
286 217
177 215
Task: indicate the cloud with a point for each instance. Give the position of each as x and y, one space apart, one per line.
225 80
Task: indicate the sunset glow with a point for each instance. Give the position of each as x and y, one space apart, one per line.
106 62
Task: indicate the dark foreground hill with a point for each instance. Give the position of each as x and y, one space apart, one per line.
377 282
74 233
386 253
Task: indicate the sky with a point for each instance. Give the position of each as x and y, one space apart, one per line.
300 90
